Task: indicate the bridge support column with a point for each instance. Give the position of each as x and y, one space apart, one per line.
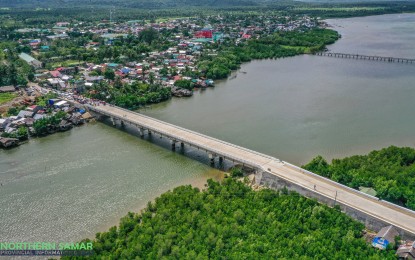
182 145
211 158
173 145
220 160
113 121
122 124
149 133
141 131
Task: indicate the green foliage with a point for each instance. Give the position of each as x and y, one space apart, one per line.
148 35
45 125
13 70
231 221
43 100
13 111
130 96
390 171
184 83
318 165
272 46
21 134
109 74
236 172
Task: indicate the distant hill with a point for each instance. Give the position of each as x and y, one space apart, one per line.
159 4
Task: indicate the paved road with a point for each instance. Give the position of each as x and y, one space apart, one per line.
397 216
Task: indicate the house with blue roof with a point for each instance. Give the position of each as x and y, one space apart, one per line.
386 236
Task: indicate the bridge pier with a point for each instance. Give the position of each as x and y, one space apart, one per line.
122 124
173 144
376 215
182 145
365 57
212 158
113 121
141 131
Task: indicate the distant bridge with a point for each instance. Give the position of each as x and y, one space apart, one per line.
271 172
365 57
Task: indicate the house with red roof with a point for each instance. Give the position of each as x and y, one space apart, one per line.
55 73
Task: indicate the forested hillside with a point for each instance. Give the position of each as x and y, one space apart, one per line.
131 3
231 221
390 172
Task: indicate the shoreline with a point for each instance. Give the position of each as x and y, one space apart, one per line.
198 182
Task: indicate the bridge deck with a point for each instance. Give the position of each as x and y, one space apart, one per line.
389 213
366 57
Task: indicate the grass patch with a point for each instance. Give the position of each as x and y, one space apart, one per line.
6 97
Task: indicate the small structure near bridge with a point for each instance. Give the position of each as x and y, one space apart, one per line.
8 142
386 236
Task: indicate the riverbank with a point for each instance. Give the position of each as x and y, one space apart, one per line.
38 117
291 108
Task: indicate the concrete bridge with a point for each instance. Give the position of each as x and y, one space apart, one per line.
272 172
366 57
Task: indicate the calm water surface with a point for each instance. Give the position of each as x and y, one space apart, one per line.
71 185
297 108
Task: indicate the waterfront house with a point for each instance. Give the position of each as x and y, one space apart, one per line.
25 114
7 89
55 73
38 116
406 251
8 142
64 125
4 122
385 237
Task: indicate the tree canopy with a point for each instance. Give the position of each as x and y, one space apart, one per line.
231 221
390 171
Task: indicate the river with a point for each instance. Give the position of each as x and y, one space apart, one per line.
71 185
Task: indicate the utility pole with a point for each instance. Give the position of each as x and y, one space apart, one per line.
335 198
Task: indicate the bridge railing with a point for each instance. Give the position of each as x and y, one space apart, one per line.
331 181
351 189
178 138
192 132
229 156
397 206
365 57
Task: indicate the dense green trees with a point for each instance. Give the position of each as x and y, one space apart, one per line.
130 96
390 171
231 221
12 75
277 45
45 125
13 70
109 74
184 83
